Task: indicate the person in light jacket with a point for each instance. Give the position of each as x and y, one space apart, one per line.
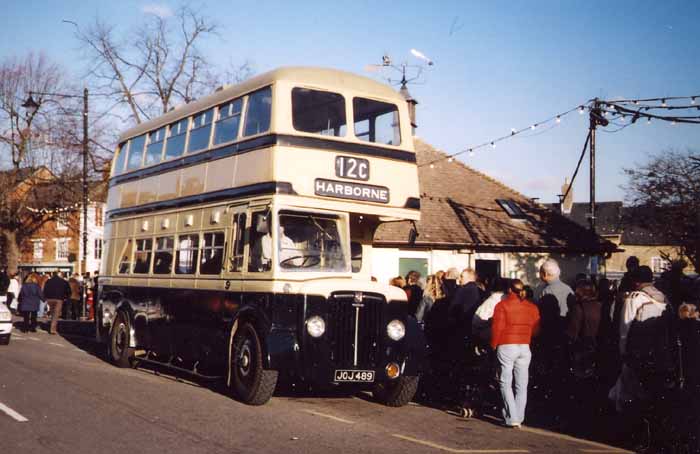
515 321
29 300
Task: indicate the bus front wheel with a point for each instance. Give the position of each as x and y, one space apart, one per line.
120 353
250 382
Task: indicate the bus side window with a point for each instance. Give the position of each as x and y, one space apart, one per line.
163 259
238 242
257 117
125 261
212 253
187 254
142 256
260 257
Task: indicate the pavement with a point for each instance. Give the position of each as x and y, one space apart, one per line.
58 395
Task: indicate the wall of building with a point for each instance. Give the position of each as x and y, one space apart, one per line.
647 255
524 266
71 230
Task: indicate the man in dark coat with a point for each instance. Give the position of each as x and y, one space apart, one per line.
465 303
56 290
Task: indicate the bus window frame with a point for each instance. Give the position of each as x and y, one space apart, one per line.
192 127
123 150
203 247
198 234
233 235
241 118
167 136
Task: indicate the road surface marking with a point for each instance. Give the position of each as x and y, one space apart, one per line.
601 447
12 414
34 339
613 450
461 451
334 418
56 344
16 337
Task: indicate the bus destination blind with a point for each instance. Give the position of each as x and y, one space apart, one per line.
352 191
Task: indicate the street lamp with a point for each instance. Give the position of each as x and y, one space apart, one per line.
32 107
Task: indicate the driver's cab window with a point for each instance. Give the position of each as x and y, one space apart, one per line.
260 257
310 242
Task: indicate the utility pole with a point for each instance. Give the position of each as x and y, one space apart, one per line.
85 198
596 118
591 203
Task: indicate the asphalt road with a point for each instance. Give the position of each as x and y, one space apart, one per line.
57 395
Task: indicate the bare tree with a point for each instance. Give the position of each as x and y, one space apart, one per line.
153 67
36 170
666 192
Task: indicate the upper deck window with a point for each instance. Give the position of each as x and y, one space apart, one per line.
175 143
154 149
320 112
121 158
376 121
257 117
136 152
226 128
200 131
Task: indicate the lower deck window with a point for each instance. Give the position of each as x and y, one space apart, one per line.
142 256
187 254
163 258
212 253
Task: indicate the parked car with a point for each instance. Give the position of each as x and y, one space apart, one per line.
5 325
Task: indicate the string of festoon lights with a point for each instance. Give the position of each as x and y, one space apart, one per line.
52 211
616 112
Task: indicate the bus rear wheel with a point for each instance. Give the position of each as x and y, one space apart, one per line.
396 393
120 354
250 382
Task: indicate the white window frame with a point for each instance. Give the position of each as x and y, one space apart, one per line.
67 250
62 221
40 249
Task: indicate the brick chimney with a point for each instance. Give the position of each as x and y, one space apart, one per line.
568 202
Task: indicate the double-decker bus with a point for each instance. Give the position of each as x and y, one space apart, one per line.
239 232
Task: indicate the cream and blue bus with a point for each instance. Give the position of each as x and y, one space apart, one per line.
239 235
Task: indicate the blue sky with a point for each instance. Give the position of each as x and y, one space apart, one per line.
498 65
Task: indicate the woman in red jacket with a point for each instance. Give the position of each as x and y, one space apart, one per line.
515 321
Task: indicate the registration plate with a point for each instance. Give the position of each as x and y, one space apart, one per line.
362 376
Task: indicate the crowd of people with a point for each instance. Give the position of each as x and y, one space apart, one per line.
41 295
629 350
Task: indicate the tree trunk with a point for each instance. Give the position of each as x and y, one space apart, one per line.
11 251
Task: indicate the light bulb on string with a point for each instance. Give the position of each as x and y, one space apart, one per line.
663 103
580 110
673 122
512 131
533 126
648 120
432 166
692 100
558 119
636 103
493 145
471 153
450 159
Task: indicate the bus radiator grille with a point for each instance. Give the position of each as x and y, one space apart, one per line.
343 310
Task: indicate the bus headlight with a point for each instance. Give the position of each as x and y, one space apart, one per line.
315 326
396 330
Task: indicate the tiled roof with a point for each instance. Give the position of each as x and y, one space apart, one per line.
612 218
459 209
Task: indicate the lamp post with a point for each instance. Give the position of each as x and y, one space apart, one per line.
32 107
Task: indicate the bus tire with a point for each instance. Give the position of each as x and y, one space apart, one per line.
119 352
396 393
250 382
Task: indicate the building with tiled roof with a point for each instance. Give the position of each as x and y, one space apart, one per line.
469 219
625 227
